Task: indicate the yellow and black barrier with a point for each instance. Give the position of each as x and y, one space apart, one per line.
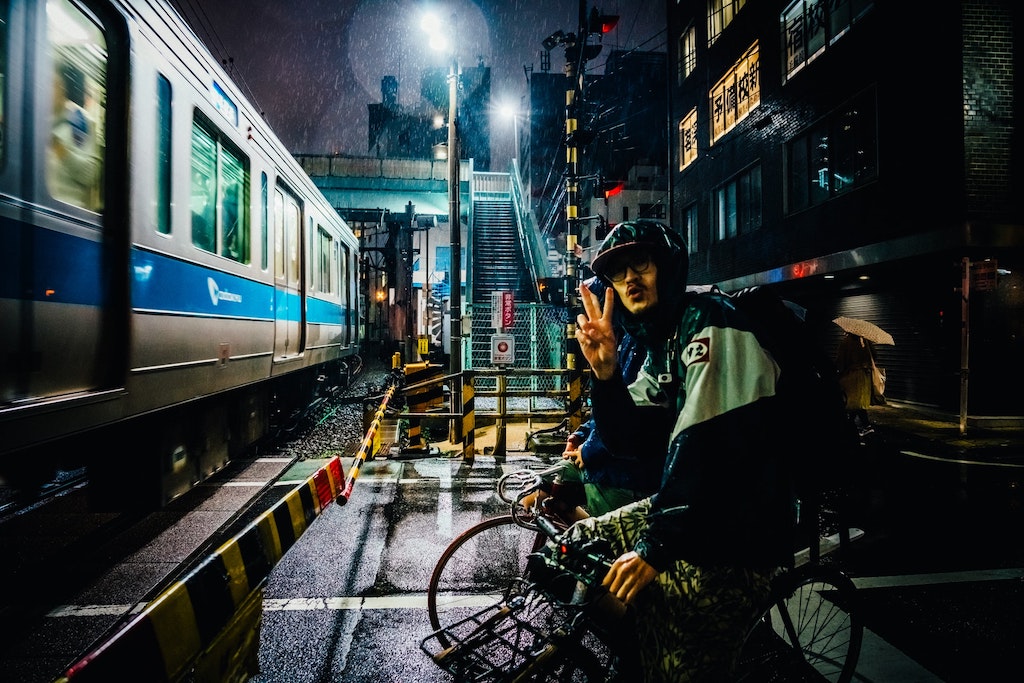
424 391
366 448
205 627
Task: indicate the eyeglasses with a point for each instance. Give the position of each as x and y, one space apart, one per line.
638 263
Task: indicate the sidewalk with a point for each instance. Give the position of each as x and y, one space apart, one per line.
996 441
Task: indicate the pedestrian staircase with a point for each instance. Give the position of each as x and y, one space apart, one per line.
499 262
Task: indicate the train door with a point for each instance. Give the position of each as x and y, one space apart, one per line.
289 312
57 283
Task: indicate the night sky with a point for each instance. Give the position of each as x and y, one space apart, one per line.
313 66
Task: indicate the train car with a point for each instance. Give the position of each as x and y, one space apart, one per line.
170 278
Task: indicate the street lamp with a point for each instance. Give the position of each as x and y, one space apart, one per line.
439 41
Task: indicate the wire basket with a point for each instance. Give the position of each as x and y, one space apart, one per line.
502 640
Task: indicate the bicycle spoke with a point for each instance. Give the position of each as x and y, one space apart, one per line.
477 569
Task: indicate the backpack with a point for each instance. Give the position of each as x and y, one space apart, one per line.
825 443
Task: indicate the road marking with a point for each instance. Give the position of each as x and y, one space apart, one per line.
419 600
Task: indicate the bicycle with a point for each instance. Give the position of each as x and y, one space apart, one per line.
807 628
478 566
535 631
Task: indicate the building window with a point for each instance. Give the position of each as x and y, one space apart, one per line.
687 53
652 210
736 205
836 155
688 139
736 95
810 26
690 227
720 14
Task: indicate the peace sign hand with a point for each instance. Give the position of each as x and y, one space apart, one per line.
595 333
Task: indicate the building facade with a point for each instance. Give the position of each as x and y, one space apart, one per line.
863 157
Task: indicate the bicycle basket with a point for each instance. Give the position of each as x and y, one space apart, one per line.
502 640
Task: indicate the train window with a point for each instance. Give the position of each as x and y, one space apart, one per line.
74 154
325 256
309 256
278 234
162 198
234 209
219 192
287 235
265 219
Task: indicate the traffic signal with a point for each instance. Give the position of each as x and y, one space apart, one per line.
604 189
601 23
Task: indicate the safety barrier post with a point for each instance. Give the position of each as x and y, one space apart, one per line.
426 391
499 424
468 419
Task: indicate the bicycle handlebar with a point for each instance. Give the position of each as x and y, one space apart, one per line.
588 562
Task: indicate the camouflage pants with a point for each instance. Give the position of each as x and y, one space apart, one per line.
691 621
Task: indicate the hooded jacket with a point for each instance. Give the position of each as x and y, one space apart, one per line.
638 467
725 495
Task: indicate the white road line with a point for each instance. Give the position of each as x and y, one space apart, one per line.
419 600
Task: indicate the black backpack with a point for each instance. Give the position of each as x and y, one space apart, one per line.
824 442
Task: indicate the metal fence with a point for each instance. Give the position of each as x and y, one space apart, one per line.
539 333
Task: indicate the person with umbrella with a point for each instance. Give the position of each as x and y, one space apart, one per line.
856 366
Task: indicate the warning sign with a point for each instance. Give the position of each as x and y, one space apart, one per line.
503 310
503 349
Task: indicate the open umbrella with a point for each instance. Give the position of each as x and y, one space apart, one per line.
863 328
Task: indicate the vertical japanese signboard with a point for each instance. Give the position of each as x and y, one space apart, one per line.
503 310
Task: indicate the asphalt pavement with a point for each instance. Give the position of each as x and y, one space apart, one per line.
941 562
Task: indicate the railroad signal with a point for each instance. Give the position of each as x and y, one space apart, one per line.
601 23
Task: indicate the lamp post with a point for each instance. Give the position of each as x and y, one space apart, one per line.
439 41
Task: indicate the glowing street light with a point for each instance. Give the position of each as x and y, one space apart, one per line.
438 39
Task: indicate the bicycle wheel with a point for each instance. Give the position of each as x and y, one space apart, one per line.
477 569
810 633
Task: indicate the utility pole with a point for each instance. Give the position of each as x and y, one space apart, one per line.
578 50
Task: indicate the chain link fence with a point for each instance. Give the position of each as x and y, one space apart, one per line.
539 332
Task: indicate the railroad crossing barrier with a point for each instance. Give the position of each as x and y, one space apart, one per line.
424 391
205 627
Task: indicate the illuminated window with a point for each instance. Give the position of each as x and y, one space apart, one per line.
688 139
736 205
219 196
327 258
736 95
77 53
690 227
836 155
810 26
687 53
720 14
162 197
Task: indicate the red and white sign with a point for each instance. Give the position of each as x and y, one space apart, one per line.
508 310
503 349
503 310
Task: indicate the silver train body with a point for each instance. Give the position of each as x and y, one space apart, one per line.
169 276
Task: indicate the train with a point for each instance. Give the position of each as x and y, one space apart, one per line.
171 281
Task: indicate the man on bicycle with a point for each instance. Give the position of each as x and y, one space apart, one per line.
696 558
611 480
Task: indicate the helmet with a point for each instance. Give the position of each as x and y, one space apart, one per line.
664 244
